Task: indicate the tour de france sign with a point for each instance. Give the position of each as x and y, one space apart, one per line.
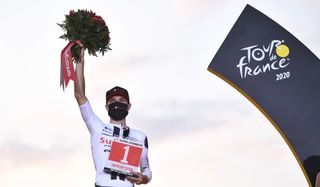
280 76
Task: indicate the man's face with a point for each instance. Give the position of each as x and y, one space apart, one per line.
118 99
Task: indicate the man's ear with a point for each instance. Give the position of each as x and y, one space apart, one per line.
107 107
129 106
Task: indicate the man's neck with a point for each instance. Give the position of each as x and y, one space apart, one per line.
120 122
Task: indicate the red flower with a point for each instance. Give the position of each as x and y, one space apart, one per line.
98 19
71 13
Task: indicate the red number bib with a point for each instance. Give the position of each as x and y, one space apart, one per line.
124 156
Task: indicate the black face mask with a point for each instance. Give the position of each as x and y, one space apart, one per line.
118 111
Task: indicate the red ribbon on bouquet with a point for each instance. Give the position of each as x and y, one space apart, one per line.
67 72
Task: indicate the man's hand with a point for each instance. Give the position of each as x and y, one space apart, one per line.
140 179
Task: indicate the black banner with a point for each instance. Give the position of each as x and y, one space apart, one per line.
281 77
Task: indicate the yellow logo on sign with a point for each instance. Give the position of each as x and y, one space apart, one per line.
282 51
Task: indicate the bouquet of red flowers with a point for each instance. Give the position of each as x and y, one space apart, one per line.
89 28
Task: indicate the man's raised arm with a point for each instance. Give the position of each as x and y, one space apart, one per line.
79 83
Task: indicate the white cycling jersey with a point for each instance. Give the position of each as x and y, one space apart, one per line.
101 137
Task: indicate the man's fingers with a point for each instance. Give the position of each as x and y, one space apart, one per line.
137 180
135 175
79 43
134 180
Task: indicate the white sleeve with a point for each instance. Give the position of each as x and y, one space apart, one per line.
88 116
144 162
